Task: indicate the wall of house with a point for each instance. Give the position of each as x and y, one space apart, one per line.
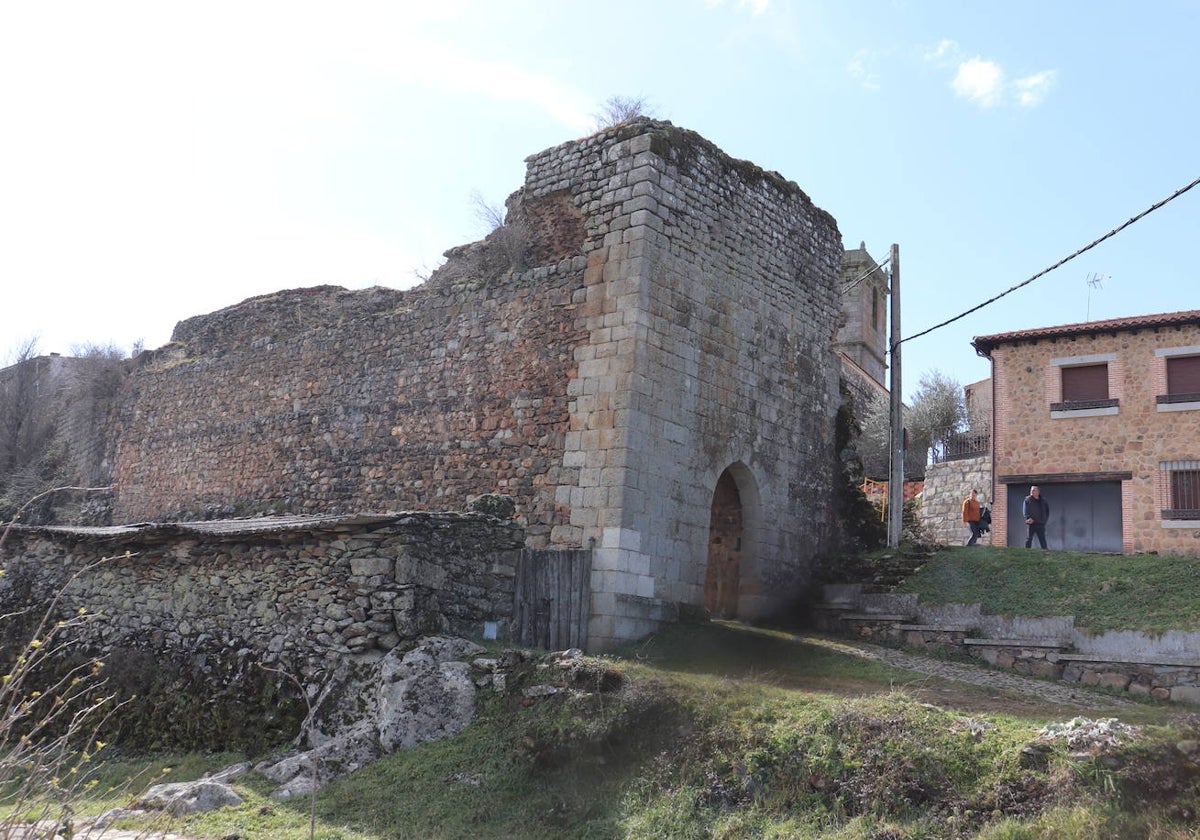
1029 442
978 396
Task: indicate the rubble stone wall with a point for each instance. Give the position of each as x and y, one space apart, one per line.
300 598
324 400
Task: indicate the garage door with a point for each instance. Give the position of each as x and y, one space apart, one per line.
1084 516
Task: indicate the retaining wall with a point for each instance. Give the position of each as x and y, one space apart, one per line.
1164 666
946 485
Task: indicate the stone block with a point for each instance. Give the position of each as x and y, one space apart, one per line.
1110 679
1185 694
369 566
1042 668
645 586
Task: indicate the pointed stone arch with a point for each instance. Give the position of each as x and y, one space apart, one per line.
732 541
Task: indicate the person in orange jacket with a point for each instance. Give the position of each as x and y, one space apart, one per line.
971 510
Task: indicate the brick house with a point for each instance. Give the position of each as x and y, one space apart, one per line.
1105 418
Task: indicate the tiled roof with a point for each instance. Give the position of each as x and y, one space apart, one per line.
984 344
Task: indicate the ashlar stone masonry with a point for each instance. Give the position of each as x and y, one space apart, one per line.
654 315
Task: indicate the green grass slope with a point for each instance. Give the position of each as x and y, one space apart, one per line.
717 730
1151 593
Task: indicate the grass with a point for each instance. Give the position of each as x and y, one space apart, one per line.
1150 593
721 730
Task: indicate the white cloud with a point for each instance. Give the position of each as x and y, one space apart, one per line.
1031 90
860 70
946 48
984 81
980 81
417 58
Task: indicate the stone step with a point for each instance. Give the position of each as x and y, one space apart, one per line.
1025 643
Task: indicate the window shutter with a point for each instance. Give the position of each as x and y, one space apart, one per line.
1087 382
1183 374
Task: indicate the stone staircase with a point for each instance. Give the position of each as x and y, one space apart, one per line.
1165 667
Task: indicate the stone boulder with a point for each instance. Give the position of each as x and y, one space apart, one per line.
493 504
374 706
206 794
427 694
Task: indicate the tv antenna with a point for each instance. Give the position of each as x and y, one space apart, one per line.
1094 281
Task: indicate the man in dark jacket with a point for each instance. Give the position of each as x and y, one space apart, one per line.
1036 511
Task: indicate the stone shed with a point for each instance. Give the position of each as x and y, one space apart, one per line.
641 357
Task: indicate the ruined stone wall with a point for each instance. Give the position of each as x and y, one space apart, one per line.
323 400
652 314
55 413
206 631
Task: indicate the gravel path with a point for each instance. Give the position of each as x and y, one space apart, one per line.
1052 692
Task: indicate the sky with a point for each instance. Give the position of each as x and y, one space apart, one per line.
164 160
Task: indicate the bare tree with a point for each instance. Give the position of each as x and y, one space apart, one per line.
872 444
489 214
618 109
505 246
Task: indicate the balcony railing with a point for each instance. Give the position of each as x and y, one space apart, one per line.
962 445
1171 399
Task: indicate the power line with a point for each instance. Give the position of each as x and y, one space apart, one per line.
1061 262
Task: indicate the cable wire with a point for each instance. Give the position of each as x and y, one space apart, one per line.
1061 262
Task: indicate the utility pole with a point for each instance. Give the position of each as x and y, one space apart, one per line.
896 424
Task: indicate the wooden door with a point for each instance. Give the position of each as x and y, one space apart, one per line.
723 578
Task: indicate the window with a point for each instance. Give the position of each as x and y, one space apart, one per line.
1180 489
1177 371
1084 383
1183 379
1183 376
1084 389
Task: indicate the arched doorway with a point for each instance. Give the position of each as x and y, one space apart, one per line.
722 581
